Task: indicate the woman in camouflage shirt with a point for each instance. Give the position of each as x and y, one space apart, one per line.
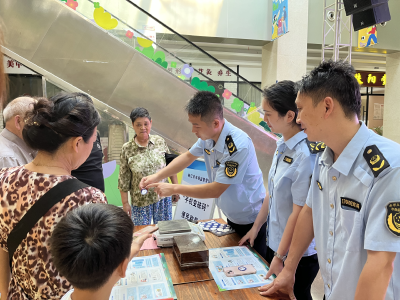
142 156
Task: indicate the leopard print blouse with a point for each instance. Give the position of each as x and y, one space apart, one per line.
33 272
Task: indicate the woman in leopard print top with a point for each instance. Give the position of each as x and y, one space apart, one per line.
63 132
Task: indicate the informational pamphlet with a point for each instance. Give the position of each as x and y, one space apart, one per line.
147 277
221 258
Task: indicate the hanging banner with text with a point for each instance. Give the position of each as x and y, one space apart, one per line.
194 209
279 18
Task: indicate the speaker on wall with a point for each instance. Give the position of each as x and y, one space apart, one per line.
355 6
369 17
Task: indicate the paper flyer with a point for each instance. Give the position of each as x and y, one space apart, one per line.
236 256
147 277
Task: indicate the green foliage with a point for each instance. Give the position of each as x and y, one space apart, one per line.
378 130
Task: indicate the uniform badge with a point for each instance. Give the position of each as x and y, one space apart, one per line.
231 168
393 217
316 147
350 204
288 160
375 159
319 185
207 151
230 144
217 162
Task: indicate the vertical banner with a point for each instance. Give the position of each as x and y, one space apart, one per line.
367 37
194 209
279 18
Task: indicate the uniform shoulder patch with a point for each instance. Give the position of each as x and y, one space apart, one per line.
207 151
393 218
231 168
315 147
375 159
230 144
288 160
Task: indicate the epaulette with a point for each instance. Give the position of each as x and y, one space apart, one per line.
315 147
375 160
230 144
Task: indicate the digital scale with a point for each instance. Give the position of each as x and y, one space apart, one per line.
168 229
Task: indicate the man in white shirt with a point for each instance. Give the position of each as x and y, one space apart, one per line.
13 150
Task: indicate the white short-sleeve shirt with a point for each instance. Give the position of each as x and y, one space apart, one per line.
232 160
288 183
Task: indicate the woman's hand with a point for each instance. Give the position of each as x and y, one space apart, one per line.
275 267
127 208
250 236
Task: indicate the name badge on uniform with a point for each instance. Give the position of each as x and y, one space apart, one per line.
393 218
217 162
207 151
350 204
231 168
288 160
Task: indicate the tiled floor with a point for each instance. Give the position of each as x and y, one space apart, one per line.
317 289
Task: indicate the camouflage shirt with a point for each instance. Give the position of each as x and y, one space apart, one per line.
138 162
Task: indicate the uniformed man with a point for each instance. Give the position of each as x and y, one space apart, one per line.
353 205
232 166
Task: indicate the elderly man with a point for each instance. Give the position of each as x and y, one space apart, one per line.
13 150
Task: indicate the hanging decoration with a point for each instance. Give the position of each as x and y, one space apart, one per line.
102 18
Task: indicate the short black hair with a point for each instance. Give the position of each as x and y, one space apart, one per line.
90 242
139 112
336 80
52 122
281 96
206 105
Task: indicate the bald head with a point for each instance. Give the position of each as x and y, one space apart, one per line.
19 106
14 114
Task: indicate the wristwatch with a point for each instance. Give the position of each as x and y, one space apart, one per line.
282 258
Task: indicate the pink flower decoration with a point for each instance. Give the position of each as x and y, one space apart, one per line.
227 94
73 4
129 34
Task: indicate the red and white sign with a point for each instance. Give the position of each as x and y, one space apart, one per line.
12 66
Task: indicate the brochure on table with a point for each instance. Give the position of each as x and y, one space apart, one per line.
237 256
147 277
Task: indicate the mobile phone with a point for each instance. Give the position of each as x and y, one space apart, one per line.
239 270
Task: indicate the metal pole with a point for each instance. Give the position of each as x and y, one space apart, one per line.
366 113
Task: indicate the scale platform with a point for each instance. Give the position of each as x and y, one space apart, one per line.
168 229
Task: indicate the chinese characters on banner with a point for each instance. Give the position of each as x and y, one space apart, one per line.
367 37
217 74
279 18
194 209
371 79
